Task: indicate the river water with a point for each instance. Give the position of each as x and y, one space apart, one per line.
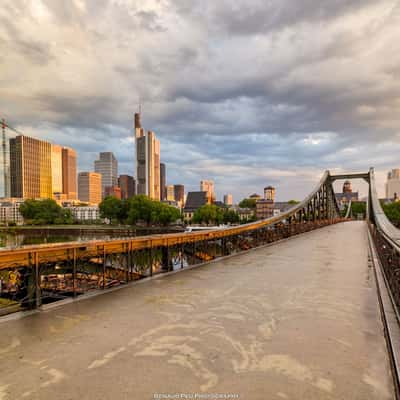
43 236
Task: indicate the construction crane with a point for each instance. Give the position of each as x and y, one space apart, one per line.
4 148
4 125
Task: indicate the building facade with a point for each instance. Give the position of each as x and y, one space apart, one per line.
393 184
147 161
269 193
228 200
179 193
85 213
114 191
265 207
346 196
245 214
90 187
30 168
194 201
9 211
107 166
170 193
163 180
41 170
208 187
56 169
69 184
127 184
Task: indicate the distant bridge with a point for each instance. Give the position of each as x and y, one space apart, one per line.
36 275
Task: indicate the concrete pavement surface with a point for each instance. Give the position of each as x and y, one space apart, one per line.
296 320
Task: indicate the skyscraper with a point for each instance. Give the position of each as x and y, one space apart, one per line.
69 173
147 161
170 193
107 166
127 184
90 187
163 178
208 186
39 169
56 168
228 200
393 184
179 191
30 168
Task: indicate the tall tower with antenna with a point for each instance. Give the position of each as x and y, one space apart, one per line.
6 175
147 161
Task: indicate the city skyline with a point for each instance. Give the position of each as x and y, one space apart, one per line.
68 155
282 120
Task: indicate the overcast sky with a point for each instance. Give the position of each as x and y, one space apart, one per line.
246 92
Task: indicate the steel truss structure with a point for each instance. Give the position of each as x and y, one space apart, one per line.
33 275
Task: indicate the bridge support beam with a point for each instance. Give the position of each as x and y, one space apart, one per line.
166 260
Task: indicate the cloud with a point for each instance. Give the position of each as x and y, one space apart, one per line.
247 92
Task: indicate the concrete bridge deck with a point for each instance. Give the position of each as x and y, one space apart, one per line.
296 320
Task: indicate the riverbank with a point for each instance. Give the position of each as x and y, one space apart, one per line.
14 237
109 229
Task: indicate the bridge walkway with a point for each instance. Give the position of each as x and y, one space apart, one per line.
296 320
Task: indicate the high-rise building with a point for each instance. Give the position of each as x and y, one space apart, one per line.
56 168
39 169
208 186
107 166
90 187
30 168
127 184
393 184
228 199
163 178
147 161
69 173
179 193
170 193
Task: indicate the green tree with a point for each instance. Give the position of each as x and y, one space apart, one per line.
112 209
44 212
293 202
248 203
359 207
140 208
208 214
230 217
163 214
392 211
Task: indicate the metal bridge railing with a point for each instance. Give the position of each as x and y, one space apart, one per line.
32 275
387 240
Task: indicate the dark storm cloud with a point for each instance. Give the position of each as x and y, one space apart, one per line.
263 16
246 92
94 112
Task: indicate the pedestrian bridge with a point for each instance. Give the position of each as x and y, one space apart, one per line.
296 320
306 309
